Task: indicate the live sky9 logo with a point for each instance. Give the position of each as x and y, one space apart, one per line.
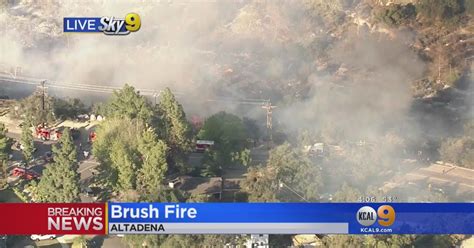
109 25
367 216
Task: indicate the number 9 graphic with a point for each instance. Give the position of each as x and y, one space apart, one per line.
133 22
386 215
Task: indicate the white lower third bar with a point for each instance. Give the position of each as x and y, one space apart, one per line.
228 228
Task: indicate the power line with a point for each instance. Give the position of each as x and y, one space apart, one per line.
265 104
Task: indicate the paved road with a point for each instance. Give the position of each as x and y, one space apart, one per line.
86 166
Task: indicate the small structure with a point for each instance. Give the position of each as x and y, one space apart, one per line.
257 241
208 186
203 145
316 150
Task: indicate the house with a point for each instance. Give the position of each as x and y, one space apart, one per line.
439 176
208 186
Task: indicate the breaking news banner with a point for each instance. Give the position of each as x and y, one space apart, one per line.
237 218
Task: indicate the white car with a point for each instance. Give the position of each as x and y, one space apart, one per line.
38 237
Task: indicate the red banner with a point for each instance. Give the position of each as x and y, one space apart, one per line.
53 218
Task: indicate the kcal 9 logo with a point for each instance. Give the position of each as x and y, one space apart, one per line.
367 216
132 22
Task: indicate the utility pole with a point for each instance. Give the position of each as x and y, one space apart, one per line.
269 107
43 99
439 69
42 94
155 95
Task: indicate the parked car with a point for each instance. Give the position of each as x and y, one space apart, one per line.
48 156
39 237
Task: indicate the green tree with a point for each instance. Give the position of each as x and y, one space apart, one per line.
288 176
128 103
261 184
116 149
435 241
5 143
212 164
344 241
124 161
66 152
60 181
347 194
27 142
68 109
153 154
390 240
5 149
395 14
459 151
144 240
175 128
243 157
228 133
448 11
30 109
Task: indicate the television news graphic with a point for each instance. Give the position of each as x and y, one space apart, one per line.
236 218
291 218
109 25
53 218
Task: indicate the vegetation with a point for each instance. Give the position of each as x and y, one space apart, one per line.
116 151
396 14
181 240
81 242
128 103
288 176
132 155
27 142
347 194
229 136
60 181
5 149
5 143
153 152
30 110
460 150
448 11
292 57
68 109
174 129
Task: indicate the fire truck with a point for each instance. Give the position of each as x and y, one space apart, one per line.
26 174
203 145
45 133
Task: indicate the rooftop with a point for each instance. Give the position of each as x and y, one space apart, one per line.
199 185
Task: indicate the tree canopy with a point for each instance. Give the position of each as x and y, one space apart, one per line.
30 109
128 103
288 176
229 136
5 143
27 142
116 150
60 181
68 108
176 130
153 153
131 156
5 149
